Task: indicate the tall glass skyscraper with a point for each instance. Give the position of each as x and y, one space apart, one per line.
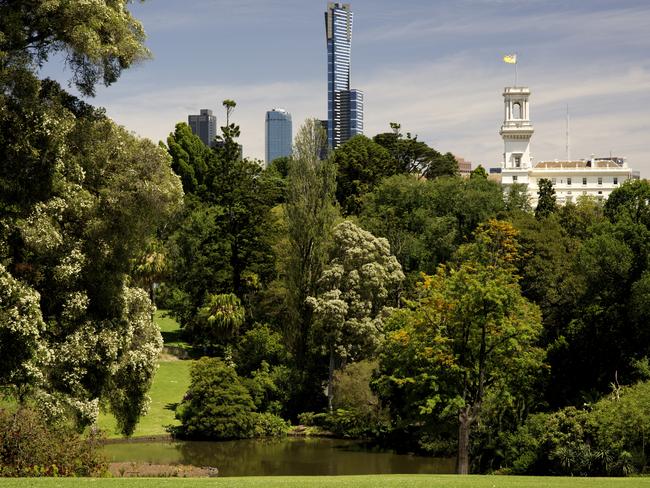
279 136
204 125
344 106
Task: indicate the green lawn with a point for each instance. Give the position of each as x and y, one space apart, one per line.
169 385
392 481
170 330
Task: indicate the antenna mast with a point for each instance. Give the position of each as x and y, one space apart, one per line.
568 146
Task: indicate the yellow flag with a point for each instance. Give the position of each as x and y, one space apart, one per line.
510 58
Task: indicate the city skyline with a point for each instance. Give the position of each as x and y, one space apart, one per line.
436 69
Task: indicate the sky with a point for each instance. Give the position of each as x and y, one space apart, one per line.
433 66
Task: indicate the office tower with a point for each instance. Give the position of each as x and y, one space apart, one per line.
344 106
204 125
279 136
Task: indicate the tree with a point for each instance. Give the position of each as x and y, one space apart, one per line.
221 243
470 334
310 214
631 199
546 203
425 221
361 164
217 404
80 200
101 195
218 320
413 156
355 287
517 199
479 172
99 39
229 105
191 159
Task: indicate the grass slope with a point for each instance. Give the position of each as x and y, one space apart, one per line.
383 481
169 385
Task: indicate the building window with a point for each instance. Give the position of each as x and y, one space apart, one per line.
514 179
615 181
516 111
568 181
584 181
584 193
600 192
518 161
553 180
600 181
569 199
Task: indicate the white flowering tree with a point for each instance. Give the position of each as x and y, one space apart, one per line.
355 288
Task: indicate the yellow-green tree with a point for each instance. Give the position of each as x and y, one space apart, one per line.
470 335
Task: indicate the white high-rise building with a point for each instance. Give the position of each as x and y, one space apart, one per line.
595 177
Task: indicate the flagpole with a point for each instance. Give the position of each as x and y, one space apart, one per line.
516 72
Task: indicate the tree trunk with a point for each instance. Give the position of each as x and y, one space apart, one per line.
464 424
330 381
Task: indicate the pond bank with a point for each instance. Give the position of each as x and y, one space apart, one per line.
291 456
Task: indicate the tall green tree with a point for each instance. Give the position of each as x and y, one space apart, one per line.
469 335
310 215
101 197
361 164
221 244
354 290
546 202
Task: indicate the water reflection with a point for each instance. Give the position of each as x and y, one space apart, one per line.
292 456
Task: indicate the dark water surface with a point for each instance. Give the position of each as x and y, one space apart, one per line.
289 456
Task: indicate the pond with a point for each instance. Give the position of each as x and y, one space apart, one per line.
288 457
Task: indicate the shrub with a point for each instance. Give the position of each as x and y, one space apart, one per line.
270 425
569 442
30 447
217 405
258 345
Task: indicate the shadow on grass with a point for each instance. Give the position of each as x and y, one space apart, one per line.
172 406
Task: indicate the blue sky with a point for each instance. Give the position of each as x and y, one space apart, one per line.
433 66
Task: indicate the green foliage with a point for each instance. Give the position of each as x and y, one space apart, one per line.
631 200
546 203
218 320
310 214
217 404
355 288
257 345
479 172
21 330
270 387
221 243
413 156
517 199
281 166
352 387
425 221
270 425
29 447
190 159
73 224
99 39
470 335
361 164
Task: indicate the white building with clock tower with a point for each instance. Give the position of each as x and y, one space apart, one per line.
595 177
